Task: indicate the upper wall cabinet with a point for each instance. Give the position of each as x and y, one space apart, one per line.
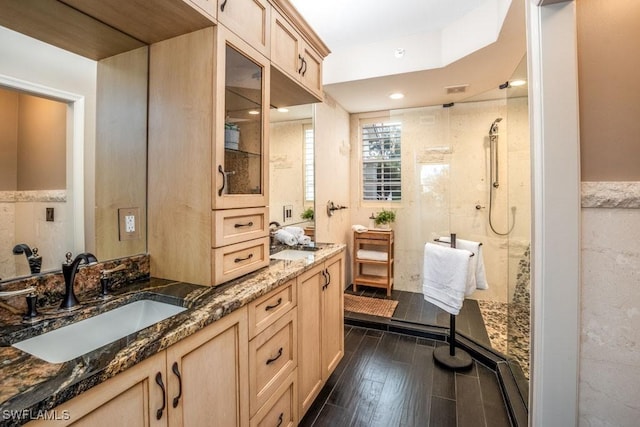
291 54
249 19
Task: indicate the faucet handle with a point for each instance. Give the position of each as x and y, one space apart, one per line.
68 256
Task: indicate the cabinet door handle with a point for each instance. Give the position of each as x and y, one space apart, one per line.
164 395
224 3
328 277
237 260
280 419
270 361
224 180
176 372
249 224
304 64
301 63
271 307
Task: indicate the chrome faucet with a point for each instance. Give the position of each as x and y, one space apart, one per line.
69 270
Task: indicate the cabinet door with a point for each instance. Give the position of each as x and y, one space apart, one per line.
309 336
207 7
311 72
241 121
333 315
132 398
208 375
285 46
249 19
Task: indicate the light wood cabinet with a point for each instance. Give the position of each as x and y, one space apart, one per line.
196 181
320 327
291 54
207 374
249 19
201 378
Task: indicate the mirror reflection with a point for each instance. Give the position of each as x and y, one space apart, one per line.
33 182
291 160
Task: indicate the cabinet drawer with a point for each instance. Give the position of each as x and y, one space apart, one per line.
272 357
232 226
269 308
233 261
280 409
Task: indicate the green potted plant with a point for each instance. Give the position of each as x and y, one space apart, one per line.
307 214
384 218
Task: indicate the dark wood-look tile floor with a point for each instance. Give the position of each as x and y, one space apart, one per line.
413 308
388 380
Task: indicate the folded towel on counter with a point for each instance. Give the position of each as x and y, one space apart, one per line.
285 237
359 228
371 255
477 276
445 276
304 240
295 231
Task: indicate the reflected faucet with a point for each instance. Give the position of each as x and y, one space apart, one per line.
34 260
69 270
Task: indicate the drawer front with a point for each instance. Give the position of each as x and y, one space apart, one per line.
236 260
232 226
269 308
280 409
272 357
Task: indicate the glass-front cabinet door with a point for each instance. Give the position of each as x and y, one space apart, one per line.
241 124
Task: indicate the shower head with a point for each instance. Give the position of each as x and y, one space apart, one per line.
493 130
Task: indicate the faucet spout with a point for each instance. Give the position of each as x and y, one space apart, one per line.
69 270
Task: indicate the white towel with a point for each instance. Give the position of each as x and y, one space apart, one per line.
371 255
445 276
285 237
359 228
304 240
477 275
294 231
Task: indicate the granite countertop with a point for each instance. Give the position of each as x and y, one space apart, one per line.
31 385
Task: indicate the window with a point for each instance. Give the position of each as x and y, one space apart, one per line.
308 165
381 161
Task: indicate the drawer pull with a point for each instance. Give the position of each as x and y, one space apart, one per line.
237 260
164 395
280 419
271 307
270 361
249 224
176 372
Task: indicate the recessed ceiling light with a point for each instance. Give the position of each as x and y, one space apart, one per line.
396 95
283 110
254 112
399 52
518 82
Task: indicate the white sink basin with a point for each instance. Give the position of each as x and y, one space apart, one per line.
293 255
79 338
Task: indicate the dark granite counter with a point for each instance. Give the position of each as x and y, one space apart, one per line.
30 386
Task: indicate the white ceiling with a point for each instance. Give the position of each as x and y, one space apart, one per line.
478 43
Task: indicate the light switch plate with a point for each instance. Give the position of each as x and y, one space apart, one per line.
129 223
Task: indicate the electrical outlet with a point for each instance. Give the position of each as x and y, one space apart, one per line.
129 223
49 214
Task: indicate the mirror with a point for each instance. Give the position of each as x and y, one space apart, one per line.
291 168
100 171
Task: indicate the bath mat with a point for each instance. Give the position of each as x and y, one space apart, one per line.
366 305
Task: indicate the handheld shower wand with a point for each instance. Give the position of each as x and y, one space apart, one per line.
495 182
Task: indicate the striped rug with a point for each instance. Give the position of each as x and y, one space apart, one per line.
366 305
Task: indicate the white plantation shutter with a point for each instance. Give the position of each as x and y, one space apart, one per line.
309 183
381 163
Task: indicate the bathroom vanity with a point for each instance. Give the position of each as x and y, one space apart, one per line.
257 348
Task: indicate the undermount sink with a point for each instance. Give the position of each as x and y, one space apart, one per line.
293 255
79 338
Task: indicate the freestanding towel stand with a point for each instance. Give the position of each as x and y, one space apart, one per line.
452 357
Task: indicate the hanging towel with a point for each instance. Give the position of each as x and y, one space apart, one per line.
477 275
285 237
445 276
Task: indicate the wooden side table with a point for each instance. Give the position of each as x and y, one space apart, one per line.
373 248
